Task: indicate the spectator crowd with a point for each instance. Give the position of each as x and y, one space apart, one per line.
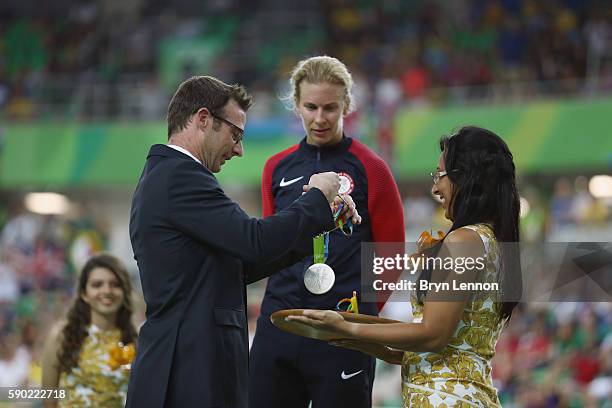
108 59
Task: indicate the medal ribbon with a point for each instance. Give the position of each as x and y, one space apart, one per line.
353 305
345 227
320 243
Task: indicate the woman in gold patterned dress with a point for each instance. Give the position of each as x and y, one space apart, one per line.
88 353
446 351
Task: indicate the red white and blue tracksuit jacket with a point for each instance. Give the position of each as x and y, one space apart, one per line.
369 181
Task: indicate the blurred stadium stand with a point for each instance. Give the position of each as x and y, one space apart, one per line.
83 92
119 59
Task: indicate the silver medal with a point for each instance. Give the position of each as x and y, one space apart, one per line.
319 278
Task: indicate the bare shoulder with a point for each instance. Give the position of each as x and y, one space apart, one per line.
463 234
464 242
55 335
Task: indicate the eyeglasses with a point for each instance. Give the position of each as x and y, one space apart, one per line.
436 176
237 133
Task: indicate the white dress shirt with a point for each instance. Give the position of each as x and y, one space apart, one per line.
182 150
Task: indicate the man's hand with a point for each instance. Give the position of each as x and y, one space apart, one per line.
328 183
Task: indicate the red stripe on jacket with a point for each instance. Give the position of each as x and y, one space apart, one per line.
384 207
267 198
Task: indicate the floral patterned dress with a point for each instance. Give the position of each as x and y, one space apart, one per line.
459 376
93 383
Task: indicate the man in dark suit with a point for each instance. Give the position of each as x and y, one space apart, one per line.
196 249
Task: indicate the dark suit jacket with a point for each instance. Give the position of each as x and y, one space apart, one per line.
196 249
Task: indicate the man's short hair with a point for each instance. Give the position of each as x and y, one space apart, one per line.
202 92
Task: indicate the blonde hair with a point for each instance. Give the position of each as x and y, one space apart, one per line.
318 70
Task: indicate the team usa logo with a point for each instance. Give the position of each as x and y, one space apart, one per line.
347 185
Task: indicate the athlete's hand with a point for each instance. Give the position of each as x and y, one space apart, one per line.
328 183
349 210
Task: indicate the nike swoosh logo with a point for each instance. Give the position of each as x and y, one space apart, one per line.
284 183
347 376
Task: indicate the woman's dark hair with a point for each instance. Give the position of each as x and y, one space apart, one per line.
79 314
481 169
